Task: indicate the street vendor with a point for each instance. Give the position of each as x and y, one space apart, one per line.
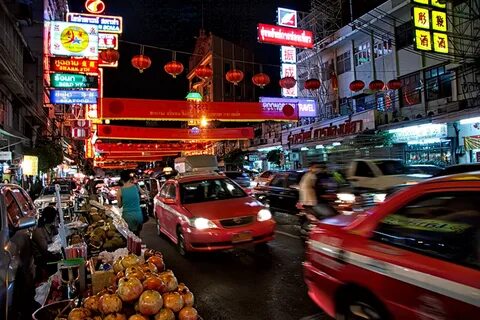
128 198
42 236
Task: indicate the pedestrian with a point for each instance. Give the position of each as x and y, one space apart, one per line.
42 236
128 198
308 194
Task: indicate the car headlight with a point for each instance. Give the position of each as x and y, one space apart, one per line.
379 197
202 224
346 197
264 215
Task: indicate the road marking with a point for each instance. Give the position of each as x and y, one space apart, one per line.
287 234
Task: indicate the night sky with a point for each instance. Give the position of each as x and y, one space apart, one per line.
173 24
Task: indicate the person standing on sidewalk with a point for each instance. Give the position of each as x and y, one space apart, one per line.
128 198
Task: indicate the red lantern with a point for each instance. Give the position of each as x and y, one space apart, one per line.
141 62
287 82
173 68
261 79
312 84
204 72
357 85
394 84
110 55
376 85
234 76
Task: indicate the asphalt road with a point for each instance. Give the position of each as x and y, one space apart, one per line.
243 284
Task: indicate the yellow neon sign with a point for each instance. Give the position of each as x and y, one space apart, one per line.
423 40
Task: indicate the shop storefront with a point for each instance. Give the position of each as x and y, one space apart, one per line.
469 134
426 143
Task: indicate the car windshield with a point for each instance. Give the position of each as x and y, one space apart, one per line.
391 167
50 190
209 190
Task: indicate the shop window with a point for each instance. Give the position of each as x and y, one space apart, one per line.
444 225
363 170
362 54
404 35
438 83
345 106
382 48
410 91
344 63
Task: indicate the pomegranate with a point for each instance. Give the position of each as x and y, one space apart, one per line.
118 266
188 299
170 272
115 316
79 314
150 302
173 300
188 313
135 272
91 303
137 317
153 282
158 262
129 289
109 303
165 314
169 280
150 253
130 261
149 267
182 288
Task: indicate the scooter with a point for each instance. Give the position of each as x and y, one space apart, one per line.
310 216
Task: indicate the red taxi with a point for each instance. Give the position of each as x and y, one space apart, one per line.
208 212
416 256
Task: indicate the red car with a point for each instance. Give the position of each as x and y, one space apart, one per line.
416 256
210 212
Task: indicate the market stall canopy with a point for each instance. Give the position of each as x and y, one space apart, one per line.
172 110
192 134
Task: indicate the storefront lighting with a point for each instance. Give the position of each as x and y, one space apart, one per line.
304 149
203 122
319 146
336 144
194 96
470 120
107 121
267 149
425 141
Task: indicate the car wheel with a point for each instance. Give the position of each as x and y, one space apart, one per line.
360 306
181 243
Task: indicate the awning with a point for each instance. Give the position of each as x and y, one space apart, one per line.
472 142
10 135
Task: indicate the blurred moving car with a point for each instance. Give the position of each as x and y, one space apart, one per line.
208 212
427 169
416 256
17 214
264 177
459 168
241 178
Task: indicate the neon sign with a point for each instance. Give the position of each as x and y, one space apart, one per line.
72 81
73 96
287 17
95 6
74 65
108 24
278 35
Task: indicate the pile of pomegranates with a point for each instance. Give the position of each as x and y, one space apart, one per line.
141 290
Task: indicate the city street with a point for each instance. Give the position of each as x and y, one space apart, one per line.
243 284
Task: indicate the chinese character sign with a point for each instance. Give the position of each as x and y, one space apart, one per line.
423 40
289 70
430 23
440 42
289 54
421 1
439 21
422 18
439 4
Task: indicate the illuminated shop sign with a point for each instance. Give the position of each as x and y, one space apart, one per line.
333 131
279 35
95 6
74 65
430 26
108 24
422 133
73 96
287 17
306 107
288 54
73 39
289 70
107 41
73 81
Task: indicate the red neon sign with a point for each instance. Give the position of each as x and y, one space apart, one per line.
268 33
74 65
95 6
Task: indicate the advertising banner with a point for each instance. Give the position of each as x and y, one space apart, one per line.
306 107
287 17
30 166
73 96
124 148
73 81
73 65
73 39
194 134
107 41
272 34
106 24
138 109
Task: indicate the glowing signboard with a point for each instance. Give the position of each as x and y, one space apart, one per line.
289 70
73 96
421 1
306 107
430 26
287 17
421 17
288 54
279 35
74 65
423 40
439 21
73 81
440 42
107 24
439 4
107 41
95 6
30 165
73 39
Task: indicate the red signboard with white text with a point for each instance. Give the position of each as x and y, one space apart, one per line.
73 65
271 34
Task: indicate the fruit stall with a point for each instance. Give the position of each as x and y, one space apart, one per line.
109 275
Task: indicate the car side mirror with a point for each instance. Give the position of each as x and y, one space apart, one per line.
169 201
26 223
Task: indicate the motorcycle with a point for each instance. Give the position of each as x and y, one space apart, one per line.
310 216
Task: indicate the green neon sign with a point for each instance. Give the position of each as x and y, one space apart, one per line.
73 81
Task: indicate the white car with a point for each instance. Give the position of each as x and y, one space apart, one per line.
47 197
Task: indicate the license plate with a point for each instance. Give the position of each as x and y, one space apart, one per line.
242 237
